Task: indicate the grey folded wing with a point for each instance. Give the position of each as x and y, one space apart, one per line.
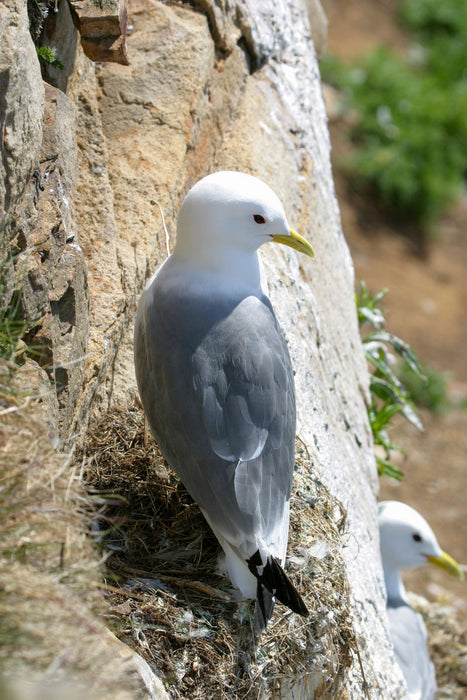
217 385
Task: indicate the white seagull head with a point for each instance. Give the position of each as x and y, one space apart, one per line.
407 541
232 213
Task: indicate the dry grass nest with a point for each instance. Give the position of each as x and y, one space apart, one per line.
167 600
52 641
447 644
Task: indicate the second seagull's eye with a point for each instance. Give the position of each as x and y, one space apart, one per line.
416 537
259 219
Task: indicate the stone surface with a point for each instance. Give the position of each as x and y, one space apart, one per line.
50 270
38 164
216 84
102 27
21 96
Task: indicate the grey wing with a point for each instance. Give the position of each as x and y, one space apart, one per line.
219 395
244 381
409 638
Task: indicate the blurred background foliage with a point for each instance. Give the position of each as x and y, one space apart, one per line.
409 113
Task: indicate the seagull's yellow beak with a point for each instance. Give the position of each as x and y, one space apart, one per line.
295 241
444 561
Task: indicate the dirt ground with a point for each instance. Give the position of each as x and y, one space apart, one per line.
426 306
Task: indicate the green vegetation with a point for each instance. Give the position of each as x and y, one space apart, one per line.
410 129
435 16
12 328
49 56
428 390
441 28
12 325
389 396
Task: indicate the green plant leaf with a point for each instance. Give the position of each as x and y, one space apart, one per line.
379 361
382 418
387 391
399 346
367 307
372 316
387 468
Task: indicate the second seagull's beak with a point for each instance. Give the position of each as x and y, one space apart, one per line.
444 561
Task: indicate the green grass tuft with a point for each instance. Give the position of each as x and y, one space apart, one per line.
389 396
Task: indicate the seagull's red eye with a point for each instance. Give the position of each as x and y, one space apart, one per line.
417 537
259 219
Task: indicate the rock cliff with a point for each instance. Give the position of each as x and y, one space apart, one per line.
95 153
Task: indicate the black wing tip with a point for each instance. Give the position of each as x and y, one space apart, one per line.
300 608
264 608
274 579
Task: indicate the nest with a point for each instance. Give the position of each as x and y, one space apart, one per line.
168 601
52 642
447 645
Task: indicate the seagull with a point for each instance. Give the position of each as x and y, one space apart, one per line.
216 381
407 541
